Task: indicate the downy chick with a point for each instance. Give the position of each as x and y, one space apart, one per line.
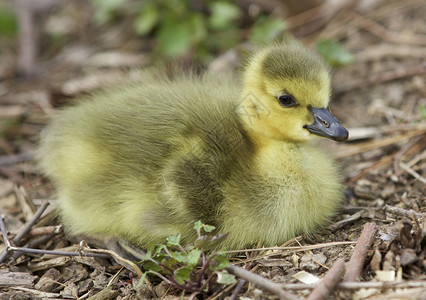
143 161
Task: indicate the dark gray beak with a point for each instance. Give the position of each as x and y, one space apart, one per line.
327 125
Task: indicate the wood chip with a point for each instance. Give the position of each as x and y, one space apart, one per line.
51 263
37 293
21 279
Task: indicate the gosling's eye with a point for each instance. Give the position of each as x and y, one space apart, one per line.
287 101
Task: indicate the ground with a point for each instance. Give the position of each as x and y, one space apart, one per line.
380 98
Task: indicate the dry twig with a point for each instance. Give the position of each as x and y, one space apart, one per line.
404 150
23 232
17 158
355 285
295 248
350 150
120 260
342 223
382 77
263 283
237 290
403 212
328 284
383 33
412 172
356 263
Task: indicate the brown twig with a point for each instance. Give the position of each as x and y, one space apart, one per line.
28 41
339 27
294 248
383 33
328 284
12 174
355 285
46 230
26 11
261 282
17 158
342 223
33 244
289 250
350 150
356 263
378 52
26 204
24 230
382 77
403 150
129 265
10 248
30 224
412 172
237 289
381 163
310 21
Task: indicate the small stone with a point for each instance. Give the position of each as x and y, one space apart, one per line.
408 256
387 191
312 262
363 192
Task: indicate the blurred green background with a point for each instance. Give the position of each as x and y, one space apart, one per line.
195 29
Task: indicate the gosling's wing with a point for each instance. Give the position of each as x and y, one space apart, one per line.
136 131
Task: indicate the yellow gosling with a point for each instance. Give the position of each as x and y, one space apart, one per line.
143 161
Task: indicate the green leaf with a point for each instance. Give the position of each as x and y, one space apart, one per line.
157 250
148 255
8 23
169 264
267 29
207 242
225 278
209 228
149 265
141 280
180 257
146 20
220 262
174 37
198 27
334 53
105 9
194 257
174 240
183 274
223 14
198 225
422 111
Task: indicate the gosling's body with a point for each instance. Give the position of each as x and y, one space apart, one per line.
148 160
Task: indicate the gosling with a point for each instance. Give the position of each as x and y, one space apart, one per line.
146 160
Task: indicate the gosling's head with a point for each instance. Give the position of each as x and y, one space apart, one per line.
286 90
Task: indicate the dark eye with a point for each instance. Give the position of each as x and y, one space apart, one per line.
287 101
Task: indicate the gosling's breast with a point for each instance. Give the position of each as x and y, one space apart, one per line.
291 189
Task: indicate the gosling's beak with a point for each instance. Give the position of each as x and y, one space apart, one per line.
327 125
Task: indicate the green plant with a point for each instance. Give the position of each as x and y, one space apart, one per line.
8 23
190 269
267 29
422 110
334 53
202 28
